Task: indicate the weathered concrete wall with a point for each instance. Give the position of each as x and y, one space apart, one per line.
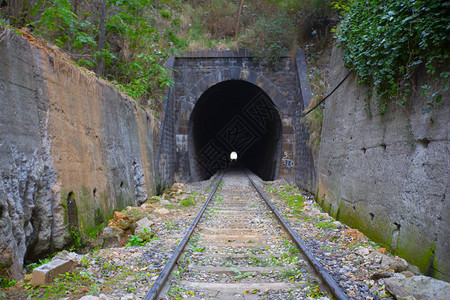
63 131
197 71
371 177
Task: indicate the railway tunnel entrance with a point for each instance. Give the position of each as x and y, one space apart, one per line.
229 101
235 115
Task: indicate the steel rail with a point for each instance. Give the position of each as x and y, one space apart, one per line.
318 268
158 285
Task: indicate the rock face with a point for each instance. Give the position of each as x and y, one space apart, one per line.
113 237
72 150
143 229
388 175
417 288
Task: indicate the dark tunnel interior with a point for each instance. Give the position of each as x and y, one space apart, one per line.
236 116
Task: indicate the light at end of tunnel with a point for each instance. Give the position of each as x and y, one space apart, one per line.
233 155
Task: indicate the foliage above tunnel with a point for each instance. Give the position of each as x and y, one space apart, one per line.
386 41
129 41
126 41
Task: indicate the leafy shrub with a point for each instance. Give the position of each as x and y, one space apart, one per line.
270 37
40 262
385 42
314 18
127 42
220 18
59 24
75 239
5 283
135 241
140 67
160 186
189 200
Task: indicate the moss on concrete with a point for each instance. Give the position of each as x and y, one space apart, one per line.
417 249
93 214
410 244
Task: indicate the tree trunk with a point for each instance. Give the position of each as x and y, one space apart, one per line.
16 9
238 19
101 37
74 6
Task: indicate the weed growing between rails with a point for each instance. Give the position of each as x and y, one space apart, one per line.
240 248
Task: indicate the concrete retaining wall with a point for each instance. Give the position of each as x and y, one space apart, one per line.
64 135
388 175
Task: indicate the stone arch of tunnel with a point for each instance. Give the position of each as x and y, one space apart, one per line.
235 115
197 74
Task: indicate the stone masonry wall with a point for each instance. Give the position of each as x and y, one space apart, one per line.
388 175
197 71
64 135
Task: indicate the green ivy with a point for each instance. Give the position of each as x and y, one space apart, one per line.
384 42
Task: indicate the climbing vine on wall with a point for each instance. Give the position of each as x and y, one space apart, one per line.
385 42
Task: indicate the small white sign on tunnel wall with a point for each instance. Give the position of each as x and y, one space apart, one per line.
181 140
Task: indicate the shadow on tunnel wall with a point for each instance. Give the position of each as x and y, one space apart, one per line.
239 116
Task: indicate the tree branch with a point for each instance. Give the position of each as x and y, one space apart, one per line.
236 32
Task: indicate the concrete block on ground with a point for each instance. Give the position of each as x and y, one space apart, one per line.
46 273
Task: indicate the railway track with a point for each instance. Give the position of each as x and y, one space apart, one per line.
240 247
